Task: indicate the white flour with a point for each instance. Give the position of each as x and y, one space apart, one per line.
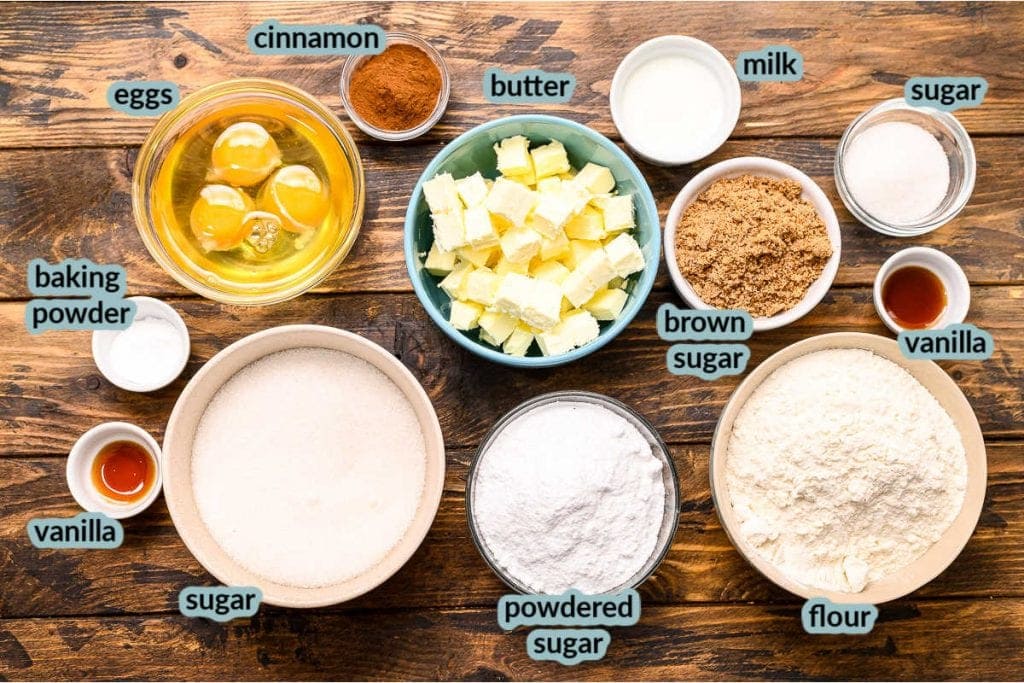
308 466
569 495
843 469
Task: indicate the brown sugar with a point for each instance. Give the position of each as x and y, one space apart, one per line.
397 89
752 243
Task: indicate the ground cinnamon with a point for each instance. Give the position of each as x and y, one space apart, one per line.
397 89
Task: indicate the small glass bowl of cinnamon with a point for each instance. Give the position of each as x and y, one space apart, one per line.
398 94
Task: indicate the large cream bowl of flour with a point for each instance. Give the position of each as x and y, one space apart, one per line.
306 461
841 469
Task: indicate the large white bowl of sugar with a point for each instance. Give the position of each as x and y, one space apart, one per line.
306 461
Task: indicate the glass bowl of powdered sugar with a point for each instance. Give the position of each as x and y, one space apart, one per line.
572 489
904 170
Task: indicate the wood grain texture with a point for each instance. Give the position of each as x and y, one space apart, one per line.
57 204
912 640
53 391
145 575
58 63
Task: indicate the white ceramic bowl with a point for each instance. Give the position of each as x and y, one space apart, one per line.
103 340
79 468
941 554
699 51
177 461
958 289
759 166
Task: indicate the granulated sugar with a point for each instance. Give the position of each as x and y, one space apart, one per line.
308 466
843 469
569 495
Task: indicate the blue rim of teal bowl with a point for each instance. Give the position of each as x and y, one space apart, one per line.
637 297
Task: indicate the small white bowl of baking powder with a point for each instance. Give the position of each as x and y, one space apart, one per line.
149 354
674 100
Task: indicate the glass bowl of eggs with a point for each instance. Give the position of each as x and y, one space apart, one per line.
249 192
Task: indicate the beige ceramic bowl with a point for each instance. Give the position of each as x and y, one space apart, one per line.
949 396
177 461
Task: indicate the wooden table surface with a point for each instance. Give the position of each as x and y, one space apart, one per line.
65 173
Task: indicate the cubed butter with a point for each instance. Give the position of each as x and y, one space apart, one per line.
618 213
596 179
465 315
497 326
597 268
578 251
549 184
554 247
453 282
518 342
513 294
578 288
554 209
481 286
550 159
607 304
514 156
520 244
510 200
478 257
472 189
576 329
439 262
552 271
625 255
586 225
543 308
480 230
441 193
449 229
504 267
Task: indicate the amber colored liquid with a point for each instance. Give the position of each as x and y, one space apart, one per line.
123 471
914 297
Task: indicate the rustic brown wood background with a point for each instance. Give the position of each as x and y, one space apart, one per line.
65 167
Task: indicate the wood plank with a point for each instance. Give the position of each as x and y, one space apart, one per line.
57 204
54 382
147 572
977 641
58 63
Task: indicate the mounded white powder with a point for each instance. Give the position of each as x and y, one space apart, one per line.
897 171
569 495
308 466
843 469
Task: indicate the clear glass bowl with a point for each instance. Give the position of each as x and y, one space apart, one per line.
669 521
955 142
399 38
178 122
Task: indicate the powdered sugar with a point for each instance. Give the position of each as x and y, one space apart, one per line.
843 469
569 495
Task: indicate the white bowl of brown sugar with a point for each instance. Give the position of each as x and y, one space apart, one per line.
753 234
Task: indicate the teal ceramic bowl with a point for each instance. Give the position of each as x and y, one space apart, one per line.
474 151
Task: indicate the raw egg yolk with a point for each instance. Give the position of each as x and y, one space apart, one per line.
218 217
297 195
244 154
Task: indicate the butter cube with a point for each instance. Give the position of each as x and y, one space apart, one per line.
550 159
465 315
527 179
472 189
518 342
554 247
510 200
552 271
439 262
497 326
625 255
578 251
449 229
607 304
520 244
514 156
480 231
481 285
578 289
441 193
549 184
586 225
576 329
453 282
554 209
504 267
478 257
541 227
597 268
513 294
618 213
543 307
596 179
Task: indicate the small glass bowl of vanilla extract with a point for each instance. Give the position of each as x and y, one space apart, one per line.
114 468
921 289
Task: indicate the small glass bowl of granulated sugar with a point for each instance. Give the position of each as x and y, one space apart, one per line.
904 170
